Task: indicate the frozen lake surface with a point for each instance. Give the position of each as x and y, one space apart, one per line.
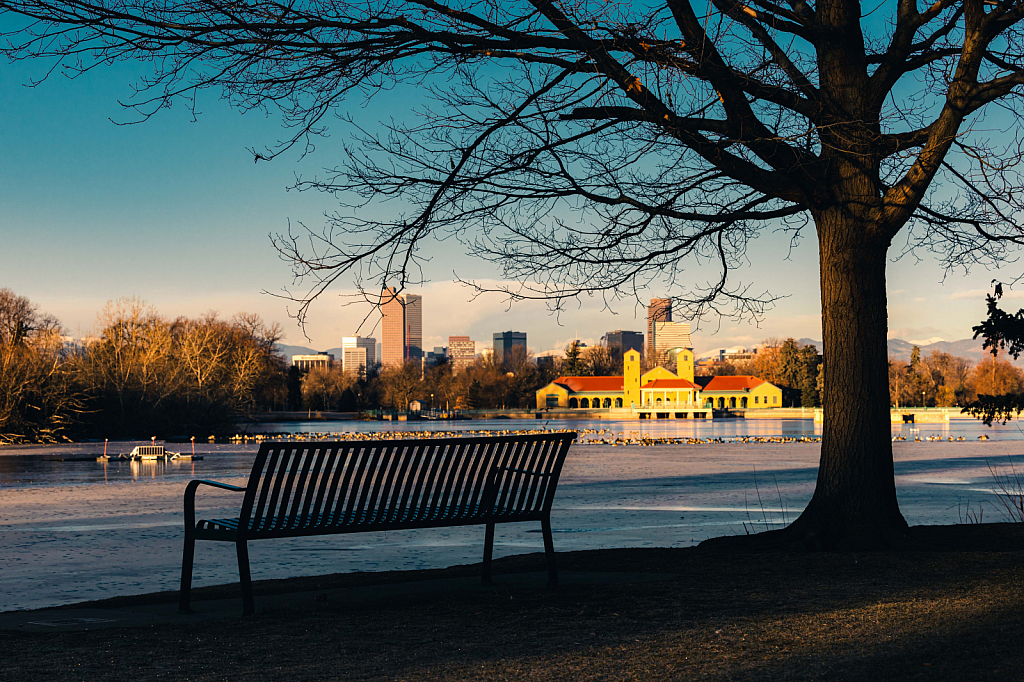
78 530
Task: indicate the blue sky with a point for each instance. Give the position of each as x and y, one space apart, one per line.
176 213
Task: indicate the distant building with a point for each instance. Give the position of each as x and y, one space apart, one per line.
546 362
358 352
401 327
461 352
504 342
414 326
436 356
660 310
736 354
306 362
658 388
669 337
624 341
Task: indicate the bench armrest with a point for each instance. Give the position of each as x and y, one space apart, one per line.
190 498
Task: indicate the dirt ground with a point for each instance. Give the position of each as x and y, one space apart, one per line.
956 612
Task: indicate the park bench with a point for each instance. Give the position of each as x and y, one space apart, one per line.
326 488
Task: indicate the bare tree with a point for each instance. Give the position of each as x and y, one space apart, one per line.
401 384
590 148
39 398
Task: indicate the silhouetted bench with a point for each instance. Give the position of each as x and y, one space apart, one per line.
299 489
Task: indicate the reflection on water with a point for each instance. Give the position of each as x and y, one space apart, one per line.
74 464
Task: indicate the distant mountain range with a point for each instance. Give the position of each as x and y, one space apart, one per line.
965 348
289 351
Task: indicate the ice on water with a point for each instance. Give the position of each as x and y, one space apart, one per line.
75 530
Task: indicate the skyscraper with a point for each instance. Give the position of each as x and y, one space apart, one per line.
660 310
504 342
669 336
392 327
401 327
461 352
413 326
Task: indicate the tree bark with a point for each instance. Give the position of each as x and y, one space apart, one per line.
854 504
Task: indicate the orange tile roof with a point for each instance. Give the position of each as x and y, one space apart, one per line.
669 383
585 384
735 384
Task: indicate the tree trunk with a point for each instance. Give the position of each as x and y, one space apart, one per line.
854 504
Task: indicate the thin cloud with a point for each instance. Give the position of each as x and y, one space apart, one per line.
980 294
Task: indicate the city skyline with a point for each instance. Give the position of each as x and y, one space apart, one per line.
197 240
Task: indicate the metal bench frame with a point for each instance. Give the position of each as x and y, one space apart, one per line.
327 488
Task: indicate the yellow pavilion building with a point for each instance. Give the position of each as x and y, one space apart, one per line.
658 387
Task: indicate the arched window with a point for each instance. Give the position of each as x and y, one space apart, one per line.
658 401
584 403
732 402
721 403
618 402
743 402
573 403
607 402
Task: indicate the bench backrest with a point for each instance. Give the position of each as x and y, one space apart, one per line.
313 487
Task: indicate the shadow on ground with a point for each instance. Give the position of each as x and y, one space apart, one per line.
954 613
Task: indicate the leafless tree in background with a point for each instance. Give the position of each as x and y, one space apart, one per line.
594 148
39 398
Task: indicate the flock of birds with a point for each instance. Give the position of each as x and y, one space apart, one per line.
934 439
586 437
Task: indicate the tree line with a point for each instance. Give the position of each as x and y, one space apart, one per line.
140 374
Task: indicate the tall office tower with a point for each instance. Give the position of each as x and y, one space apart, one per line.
624 341
660 310
461 352
401 327
668 336
392 327
358 351
413 326
504 342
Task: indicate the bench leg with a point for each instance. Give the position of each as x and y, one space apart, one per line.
248 606
188 554
549 552
488 550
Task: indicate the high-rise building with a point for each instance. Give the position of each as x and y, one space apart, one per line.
504 342
660 310
461 352
413 326
624 341
401 327
358 351
669 336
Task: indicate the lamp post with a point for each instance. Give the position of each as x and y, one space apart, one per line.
922 399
